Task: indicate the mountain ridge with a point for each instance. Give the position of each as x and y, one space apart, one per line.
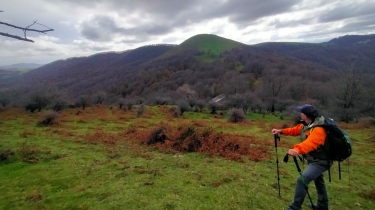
21 65
208 64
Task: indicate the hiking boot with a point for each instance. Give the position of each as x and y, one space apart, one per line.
316 207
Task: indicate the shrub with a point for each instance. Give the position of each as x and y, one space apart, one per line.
367 120
192 102
4 102
189 131
183 106
189 138
59 105
162 100
83 101
214 107
141 110
31 107
5 154
372 121
237 115
139 100
129 104
48 119
99 97
29 154
200 104
157 136
37 102
121 102
174 111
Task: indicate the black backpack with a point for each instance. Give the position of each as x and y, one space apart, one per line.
338 144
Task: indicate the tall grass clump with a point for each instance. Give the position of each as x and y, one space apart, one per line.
158 135
174 111
141 109
237 115
48 119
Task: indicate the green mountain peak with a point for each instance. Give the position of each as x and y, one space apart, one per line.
211 42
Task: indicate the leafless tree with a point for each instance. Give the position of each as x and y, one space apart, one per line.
271 86
234 82
350 95
187 92
24 29
99 97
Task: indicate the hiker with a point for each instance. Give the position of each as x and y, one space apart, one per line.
312 140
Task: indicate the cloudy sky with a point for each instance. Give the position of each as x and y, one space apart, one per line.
86 27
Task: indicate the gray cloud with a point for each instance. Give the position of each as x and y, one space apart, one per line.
104 28
277 23
170 14
242 12
360 25
170 40
357 18
138 39
83 27
99 28
346 11
162 8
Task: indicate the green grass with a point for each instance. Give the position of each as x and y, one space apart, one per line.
72 173
210 42
23 71
210 46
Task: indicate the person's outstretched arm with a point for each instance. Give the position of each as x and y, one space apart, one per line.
294 131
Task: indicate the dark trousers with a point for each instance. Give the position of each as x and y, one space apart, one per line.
313 172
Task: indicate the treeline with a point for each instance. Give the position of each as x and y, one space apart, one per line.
270 81
250 78
340 53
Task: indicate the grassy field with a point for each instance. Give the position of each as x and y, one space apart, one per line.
99 158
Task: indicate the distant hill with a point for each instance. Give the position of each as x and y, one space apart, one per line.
206 65
354 40
211 42
79 75
208 46
8 78
21 66
6 73
340 53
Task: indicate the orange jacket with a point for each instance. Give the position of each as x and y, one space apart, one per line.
315 138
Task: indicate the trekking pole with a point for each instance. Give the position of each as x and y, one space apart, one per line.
277 138
303 181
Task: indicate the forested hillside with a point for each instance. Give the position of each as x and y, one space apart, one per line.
336 75
83 75
341 53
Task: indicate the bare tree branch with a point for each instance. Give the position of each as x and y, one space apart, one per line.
16 37
27 29
24 29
